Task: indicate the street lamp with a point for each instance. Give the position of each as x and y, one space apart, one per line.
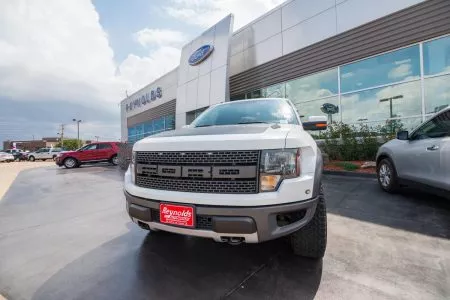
78 131
390 103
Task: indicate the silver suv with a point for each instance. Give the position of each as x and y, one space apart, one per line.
419 159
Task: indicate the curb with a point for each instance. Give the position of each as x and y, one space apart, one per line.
350 174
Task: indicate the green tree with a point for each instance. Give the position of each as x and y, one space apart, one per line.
69 144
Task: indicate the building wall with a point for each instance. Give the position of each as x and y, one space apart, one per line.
204 84
299 23
168 85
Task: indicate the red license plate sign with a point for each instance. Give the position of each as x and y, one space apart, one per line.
178 215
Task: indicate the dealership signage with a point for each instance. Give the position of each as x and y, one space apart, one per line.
200 54
144 99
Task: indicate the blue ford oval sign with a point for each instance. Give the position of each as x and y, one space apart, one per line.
200 54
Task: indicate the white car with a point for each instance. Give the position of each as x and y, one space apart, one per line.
244 171
44 154
6 157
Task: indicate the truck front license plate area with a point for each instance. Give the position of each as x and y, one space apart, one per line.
177 215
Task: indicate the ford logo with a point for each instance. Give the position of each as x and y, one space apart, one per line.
200 54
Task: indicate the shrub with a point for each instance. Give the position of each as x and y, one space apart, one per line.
348 166
350 142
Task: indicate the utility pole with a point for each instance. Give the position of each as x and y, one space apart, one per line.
97 137
62 135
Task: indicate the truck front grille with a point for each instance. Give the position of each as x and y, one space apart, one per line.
216 172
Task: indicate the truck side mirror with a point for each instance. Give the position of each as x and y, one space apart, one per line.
316 123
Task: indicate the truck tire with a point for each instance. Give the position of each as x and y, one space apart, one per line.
311 240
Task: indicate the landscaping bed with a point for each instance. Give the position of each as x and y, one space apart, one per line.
357 166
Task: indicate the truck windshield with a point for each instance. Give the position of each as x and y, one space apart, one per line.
248 112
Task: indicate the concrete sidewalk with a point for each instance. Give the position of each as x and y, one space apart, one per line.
9 172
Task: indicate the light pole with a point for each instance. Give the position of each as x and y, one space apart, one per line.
391 115
78 131
390 103
97 137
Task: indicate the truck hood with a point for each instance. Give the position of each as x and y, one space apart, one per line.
226 137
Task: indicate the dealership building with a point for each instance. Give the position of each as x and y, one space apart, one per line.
355 61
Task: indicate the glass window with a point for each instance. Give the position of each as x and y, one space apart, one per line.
328 107
248 112
254 94
158 125
139 131
148 128
237 97
90 147
437 93
437 127
170 122
436 56
311 87
400 65
104 146
401 100
275 91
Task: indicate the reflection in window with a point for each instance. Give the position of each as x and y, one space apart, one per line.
275 91
254 94
401 100
400 65
437 93
311 87
237 97
328 107
436 56
170 122
139 131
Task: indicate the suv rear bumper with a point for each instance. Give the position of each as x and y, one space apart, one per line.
249 224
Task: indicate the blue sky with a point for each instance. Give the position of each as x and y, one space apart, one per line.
76 59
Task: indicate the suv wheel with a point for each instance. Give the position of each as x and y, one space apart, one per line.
31 158
311 240
70 163
387 175
115 160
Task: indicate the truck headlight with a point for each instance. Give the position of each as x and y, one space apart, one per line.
133 167
277 165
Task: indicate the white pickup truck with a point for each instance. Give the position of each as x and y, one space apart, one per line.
243 171
44 154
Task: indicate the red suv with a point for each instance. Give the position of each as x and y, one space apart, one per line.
92 153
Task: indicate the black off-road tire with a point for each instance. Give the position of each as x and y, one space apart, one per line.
311 240
392 186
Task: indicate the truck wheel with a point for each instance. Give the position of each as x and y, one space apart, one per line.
32 158
70 163
311 240
387 176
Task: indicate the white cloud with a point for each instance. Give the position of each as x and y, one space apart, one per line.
54 51
205 13
400 72
143 70
160 37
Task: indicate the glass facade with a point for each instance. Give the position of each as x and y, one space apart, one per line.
141 130
403 86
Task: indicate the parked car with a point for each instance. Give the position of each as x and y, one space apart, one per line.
44 154
6 157
92 153
243 172
420 158
18 154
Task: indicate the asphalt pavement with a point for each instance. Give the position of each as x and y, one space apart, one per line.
64 234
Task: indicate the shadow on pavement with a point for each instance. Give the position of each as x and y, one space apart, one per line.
409 210
170 266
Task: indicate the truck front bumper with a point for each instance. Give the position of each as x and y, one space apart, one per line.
224 223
